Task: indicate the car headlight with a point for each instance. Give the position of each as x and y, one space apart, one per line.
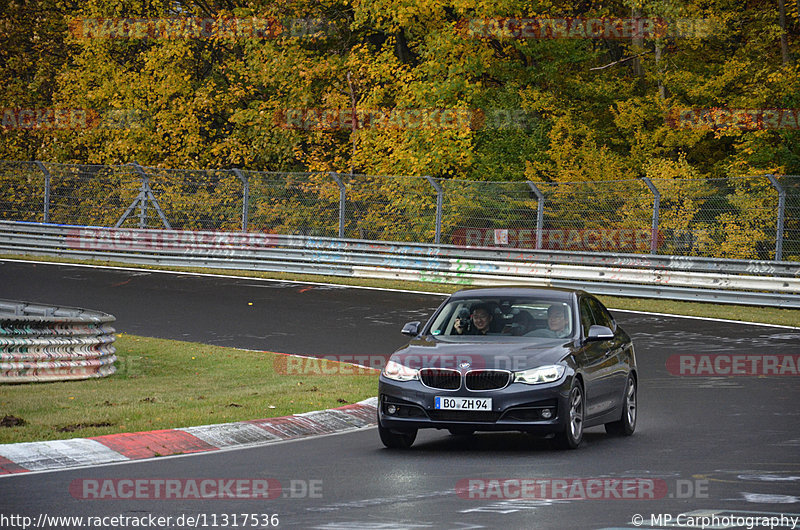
398 372
543 374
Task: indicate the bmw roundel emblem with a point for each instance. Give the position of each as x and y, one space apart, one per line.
464 365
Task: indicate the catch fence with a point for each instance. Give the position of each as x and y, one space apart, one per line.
754 217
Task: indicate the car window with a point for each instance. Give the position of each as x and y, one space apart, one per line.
601 315
587 319
523 317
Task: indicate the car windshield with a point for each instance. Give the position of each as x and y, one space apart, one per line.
502 318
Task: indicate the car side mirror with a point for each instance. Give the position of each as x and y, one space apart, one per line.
599 333
411 329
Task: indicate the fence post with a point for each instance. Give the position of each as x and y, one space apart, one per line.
245 197
656 213
46 191
781 217
439 201
145 194
539 213
149 195
342 199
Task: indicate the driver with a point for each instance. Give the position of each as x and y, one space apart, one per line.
557 323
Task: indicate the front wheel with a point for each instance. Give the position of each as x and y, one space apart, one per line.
627 423
572 435
396 439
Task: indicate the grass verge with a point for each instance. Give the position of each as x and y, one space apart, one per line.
163 384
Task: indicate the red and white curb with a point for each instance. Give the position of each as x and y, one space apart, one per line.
112 448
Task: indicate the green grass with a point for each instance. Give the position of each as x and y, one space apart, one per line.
162 384
767 315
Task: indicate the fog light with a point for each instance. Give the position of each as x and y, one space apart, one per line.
391 409
547 414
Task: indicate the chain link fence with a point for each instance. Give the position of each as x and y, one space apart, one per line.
749 217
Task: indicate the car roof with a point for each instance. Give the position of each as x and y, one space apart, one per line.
555 293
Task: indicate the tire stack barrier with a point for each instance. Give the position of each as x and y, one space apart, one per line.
43 343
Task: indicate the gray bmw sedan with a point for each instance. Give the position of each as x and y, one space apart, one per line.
544 361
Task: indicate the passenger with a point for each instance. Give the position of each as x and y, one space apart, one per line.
481 322
557 323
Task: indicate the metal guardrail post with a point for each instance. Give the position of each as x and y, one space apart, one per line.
245 197
781 217
46 191
656 213
342 199
539 213
439 202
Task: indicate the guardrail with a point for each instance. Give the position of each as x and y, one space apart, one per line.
749 282
43 343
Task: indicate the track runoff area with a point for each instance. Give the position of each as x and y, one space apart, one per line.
712 450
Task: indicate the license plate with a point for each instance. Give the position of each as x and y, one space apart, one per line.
460 403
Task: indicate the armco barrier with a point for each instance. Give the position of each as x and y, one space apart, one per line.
41 343
681 278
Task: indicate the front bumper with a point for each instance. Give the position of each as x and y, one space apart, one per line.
517 407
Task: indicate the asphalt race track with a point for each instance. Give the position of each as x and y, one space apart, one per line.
284 317
714 447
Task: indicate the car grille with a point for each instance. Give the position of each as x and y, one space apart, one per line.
463 415
442 378
487 379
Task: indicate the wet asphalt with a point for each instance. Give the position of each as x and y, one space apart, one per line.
722 446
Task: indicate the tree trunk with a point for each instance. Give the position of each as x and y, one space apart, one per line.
661 92
638 46
784 38
354 119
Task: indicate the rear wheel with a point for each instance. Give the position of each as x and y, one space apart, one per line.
627 423
572 435
396 439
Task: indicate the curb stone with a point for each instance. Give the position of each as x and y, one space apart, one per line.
112 448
